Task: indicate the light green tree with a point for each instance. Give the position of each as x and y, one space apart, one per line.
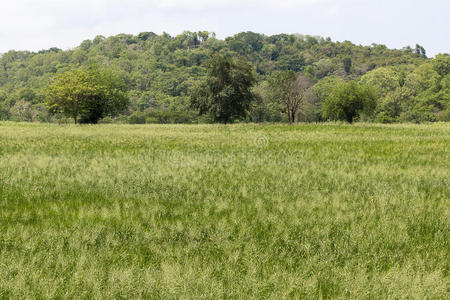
86 95
383 80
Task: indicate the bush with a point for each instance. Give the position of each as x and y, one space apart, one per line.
137 118
419 115
444 116
385 118
106 120
163 117
4 112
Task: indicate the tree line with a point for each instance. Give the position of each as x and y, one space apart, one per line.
195 77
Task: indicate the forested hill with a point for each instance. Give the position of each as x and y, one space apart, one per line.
159 71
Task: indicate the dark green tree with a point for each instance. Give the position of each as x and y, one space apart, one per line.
227 91
421 50
347 61
294 62
4 112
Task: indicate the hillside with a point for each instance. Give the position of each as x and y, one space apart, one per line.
159 71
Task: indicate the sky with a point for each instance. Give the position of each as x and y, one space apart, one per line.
41 24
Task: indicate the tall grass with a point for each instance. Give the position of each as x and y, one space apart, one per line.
210 211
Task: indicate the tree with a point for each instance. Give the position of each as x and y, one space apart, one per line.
383 80
110 100
441 64
348 100
21 111
294 62
323 67
323 88
288 90
227 91
4 112
143 36
263 108
421 51
254 40
86 94
347 61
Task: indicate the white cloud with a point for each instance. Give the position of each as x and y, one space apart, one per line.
34 25
207 4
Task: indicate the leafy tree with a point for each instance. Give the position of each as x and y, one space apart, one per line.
110 100
323 67
348 101
263 109
205 35
21 111
86 94
143 36
254 40
288 89
429 98
323 88
227 91
441 64
347 61
422 78
421 51
393 104
383 80
4 112
270 52
294 62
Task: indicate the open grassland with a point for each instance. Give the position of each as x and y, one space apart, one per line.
210 211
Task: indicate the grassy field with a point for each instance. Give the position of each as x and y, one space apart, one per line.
213 211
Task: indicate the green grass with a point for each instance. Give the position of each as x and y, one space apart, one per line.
212 211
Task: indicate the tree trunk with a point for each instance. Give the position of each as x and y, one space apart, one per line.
289 114
293 115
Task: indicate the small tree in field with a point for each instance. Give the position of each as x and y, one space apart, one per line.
288 90
227 92
86 95
348 100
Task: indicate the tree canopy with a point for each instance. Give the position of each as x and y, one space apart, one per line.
86 95
347 101
288 90
159 72
226 93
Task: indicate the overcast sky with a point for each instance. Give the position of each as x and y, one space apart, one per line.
41 24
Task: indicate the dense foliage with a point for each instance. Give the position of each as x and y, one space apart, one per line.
86 95
160 70
349 101
226 93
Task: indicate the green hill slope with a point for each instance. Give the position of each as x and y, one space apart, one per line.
159 70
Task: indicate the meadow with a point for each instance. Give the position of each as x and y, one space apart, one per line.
212 211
